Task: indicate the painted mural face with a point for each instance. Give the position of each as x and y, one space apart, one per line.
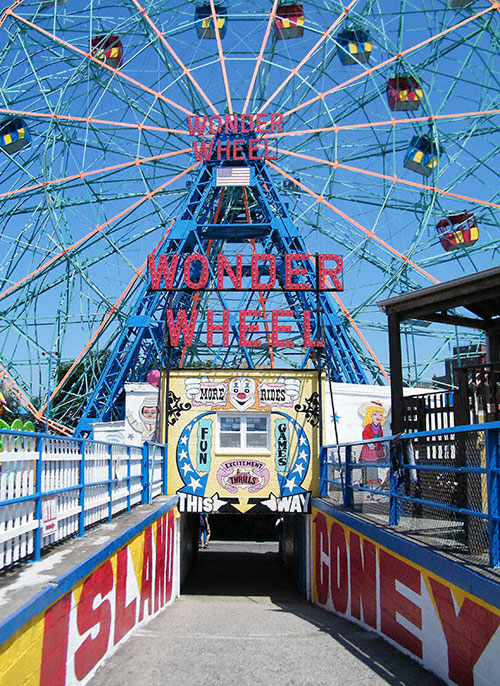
242 393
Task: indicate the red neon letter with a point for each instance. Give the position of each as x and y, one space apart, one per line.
267 154
261 122
201 152
277 328
181 325
256 283
202 282
467 634
92 650
253 145
196 126
217 120
276 121
307 332
227 149
291 271
231 123
237 150
333 273
393 602
244 119
321 546
224 266
363 580
164 270
124 614
223 328
244 328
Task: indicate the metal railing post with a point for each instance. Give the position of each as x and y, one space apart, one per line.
110 485
38 502
323 472
145 474
394 475
348 477
129 460
81 497
493 465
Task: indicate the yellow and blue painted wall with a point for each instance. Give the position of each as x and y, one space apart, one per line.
441 613
65 632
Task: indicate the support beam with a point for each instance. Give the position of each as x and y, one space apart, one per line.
396 365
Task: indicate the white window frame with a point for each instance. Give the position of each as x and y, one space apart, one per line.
242 448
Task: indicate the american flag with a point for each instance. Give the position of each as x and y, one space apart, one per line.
233 176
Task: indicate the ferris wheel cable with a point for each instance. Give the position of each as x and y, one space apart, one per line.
259 58
370 234
186 71
388 122
88 55
304 60
496 5
394 179
93 172
147 196
369 71
362 338
91 120
222 58
139 273
358 331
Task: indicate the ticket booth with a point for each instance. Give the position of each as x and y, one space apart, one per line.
242 440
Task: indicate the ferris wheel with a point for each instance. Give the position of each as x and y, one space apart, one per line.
386 155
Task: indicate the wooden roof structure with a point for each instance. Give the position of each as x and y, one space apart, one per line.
472 301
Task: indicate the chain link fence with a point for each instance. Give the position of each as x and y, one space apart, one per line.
440 487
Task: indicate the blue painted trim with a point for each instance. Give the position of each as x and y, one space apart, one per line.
56 589
453 572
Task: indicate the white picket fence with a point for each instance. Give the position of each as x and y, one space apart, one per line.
53 487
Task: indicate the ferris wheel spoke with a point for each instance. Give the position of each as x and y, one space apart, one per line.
147 196
88 55
361 337
93 172
335 128
392 178
370 70
185 70
108 317
260 57
294 72
89 120
351 220
222 58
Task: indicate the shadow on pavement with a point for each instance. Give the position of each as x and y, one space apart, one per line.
256 570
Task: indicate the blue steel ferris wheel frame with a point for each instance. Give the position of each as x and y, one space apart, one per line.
100 155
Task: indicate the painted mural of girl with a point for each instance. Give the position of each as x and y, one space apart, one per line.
374 416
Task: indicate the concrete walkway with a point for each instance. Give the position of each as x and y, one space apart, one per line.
240 620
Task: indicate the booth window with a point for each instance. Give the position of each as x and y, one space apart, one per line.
246 432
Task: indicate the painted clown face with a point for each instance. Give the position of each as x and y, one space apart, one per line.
242 393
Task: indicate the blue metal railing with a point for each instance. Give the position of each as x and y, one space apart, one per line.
469 454
52 487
